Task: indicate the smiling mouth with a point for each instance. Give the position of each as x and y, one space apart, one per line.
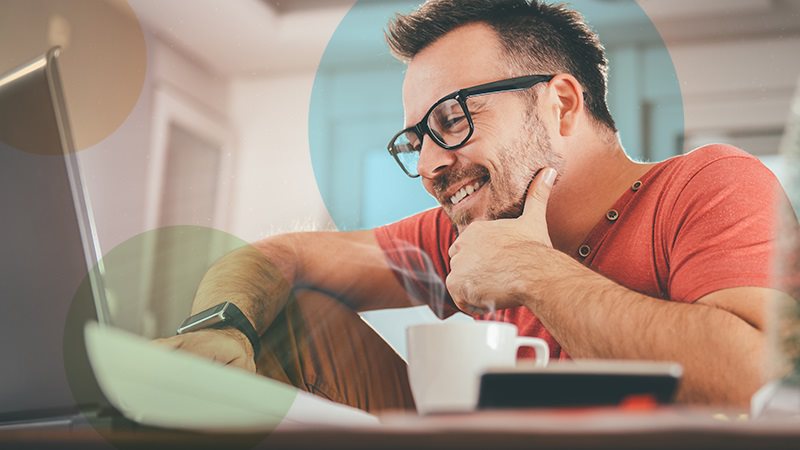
467 191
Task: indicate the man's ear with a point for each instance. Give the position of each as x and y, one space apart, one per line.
570 102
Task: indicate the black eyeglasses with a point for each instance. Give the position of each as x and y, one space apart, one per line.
448 122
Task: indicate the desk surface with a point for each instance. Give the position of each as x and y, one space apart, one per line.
663 429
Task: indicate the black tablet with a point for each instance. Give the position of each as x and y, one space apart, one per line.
586 383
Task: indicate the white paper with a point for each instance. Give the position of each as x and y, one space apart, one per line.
154 385
776 399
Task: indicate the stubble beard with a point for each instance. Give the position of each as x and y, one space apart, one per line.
518 165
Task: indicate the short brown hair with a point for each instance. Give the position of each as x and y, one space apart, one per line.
538 37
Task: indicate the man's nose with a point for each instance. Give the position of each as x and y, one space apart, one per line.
433 159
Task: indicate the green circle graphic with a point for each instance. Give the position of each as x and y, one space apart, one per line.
150 282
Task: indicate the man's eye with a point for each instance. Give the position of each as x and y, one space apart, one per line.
454 122
408 147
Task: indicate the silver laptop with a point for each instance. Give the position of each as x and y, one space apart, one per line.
50 283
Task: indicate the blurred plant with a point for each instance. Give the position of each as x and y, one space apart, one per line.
786 331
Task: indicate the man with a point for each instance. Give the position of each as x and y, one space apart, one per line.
544 222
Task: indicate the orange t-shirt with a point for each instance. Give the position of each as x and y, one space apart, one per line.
692 225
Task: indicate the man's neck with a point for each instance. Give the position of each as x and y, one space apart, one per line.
587 190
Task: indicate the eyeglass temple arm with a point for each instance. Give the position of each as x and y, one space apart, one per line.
514 84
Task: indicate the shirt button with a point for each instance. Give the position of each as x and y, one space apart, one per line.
584 250
612 215
636 186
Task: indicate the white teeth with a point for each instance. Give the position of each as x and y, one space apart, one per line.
464 192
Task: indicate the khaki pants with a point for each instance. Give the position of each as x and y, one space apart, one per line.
321 346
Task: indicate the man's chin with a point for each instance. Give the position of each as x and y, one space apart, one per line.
509 213
461 218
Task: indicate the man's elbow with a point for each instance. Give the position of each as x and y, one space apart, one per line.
729 373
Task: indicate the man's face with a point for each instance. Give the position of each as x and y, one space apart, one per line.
510 143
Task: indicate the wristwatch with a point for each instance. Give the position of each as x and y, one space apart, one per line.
224 315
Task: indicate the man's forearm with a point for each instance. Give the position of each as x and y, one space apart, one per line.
258 278
593 317
349 266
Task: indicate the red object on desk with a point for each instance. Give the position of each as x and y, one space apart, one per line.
639 402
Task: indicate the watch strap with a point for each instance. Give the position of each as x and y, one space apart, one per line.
221 316
233 317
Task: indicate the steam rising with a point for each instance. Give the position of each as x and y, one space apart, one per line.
418 274
420 279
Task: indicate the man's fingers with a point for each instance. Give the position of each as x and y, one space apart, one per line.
453 249
170 342
242 363
215 345
539 193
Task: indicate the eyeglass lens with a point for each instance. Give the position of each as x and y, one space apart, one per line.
448 122
448 125
406 147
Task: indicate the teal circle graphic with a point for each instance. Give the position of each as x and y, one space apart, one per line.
356 107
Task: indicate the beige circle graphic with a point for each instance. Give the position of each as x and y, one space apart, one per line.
103 61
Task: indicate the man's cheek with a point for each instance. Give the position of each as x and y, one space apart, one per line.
494 201
428 187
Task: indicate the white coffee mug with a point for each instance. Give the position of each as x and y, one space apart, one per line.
446 360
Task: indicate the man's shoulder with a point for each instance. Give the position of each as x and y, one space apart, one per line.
701 157
714 165
716 155
429 217
426 227
713 174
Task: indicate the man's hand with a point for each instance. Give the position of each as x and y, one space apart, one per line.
227 346
488 259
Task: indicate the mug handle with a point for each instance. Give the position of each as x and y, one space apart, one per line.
540 347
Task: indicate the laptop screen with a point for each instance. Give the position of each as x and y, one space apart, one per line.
46 250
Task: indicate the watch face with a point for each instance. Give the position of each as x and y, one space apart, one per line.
203 318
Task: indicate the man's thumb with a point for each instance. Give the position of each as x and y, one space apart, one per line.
539 193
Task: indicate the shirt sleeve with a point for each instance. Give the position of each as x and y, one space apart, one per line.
416 249
723 228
